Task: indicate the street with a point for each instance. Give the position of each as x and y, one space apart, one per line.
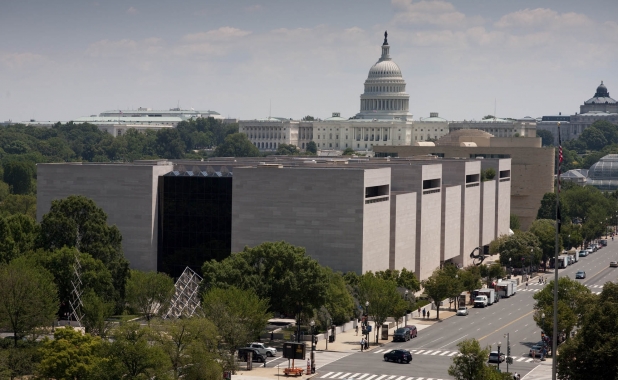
436 345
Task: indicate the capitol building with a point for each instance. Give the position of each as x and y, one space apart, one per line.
384 120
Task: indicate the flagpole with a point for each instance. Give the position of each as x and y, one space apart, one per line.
554 345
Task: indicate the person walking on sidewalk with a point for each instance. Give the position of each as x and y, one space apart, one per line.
424 313
362 343
428 314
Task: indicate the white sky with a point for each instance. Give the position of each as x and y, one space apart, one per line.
64 59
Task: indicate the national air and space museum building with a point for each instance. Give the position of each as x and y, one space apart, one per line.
351 214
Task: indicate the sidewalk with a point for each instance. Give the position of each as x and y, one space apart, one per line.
540 372
346 342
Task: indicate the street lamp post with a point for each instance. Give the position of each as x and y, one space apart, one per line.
367 320
542 330
499 344
510 266
531 255
313 342
508 351
406 315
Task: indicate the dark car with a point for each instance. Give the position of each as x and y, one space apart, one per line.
535 351
401 334
580 274
399 356
413 330
256 356
494 357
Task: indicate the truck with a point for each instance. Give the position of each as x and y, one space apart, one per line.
506 288
480 301
490 293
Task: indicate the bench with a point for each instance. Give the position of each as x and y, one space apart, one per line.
293 371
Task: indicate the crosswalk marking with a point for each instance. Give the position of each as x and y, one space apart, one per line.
335 375
345 376
381 377
378 351
444 353
353 376
453 353
360 378
371 377
400 378
420 352
435 353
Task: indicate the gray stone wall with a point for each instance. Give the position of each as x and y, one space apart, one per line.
428 222
320 209
403 231
488 212
126 192
450 241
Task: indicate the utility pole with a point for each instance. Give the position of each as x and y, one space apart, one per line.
508 351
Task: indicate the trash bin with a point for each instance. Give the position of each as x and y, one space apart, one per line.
331 338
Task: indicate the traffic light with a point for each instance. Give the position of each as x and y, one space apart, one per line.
509 360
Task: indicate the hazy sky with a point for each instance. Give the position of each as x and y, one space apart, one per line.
69 58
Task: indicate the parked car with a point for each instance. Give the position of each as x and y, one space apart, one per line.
268 351
401 334
399 356
257 356
494 357
580 274
413 330
583 253
535 351
613 264
462 310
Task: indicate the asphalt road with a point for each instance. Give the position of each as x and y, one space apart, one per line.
436 345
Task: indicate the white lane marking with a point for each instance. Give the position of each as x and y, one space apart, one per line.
452 353
325 375
360 378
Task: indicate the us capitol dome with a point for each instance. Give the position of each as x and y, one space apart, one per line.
385 97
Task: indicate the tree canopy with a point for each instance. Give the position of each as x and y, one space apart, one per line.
149 293
28 298
278 272
237 145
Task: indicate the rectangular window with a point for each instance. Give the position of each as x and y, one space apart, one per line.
376 191
505 173
431 183
472 178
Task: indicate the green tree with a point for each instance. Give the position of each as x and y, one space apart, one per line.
70 355
548 207
382 296
547 138
514 223
280 272
18 204
191 346
287 150
339 301
237 145
149 293
96 313
438 287
77 221
169 144
348 152
470 278
239 316
18 175
574 300
593 138
312 147
28 298
592 352
488 174
308 118
403 279
545 231
471 363
94 275
518 250
131 355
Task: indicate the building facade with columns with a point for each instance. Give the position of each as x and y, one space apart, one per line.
384 118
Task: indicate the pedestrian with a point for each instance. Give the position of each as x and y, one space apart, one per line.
356 329
419 312
526 284
366 344
424 313
362 343
428 314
